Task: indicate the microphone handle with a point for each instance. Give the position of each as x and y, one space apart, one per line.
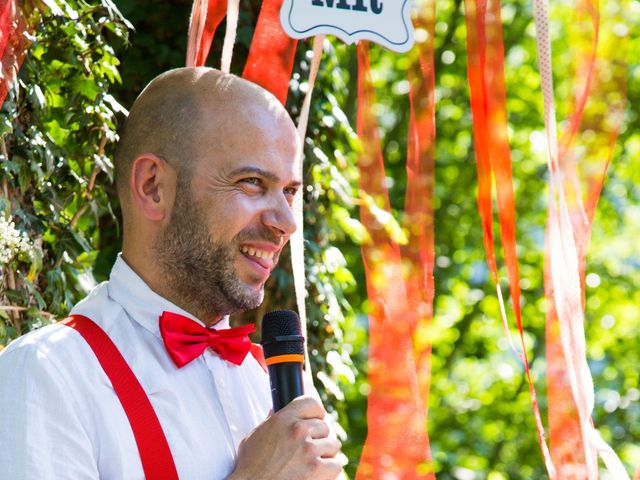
286 383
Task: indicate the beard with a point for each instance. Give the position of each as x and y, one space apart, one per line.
199 272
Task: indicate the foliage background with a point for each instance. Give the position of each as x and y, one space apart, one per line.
59 232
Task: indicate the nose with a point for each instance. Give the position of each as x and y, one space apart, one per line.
280 217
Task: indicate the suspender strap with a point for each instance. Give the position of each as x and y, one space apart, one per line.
155 455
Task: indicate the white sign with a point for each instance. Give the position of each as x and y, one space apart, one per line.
386 22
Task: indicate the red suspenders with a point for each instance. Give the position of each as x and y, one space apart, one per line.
155 455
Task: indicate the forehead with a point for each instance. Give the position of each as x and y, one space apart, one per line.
254 135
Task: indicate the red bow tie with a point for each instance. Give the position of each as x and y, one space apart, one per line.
186 339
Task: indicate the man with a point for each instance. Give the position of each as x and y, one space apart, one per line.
206 177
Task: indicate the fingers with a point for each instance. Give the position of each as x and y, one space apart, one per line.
318 428
315 436
294 443
326 447
304 407
324 468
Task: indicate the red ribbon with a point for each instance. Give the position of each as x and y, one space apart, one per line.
186 339
272 52
485 60
216 11
270 60
13 43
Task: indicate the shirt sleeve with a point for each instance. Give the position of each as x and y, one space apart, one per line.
41 434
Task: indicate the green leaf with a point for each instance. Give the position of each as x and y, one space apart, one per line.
57 133
85 86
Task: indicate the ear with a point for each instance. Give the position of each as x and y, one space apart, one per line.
152 186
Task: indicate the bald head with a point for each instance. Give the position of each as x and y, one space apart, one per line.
207 170
168 118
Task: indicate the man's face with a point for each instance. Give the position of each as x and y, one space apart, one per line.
231 219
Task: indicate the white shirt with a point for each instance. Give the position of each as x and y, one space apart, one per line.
60 418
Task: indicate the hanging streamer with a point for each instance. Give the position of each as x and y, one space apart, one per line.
14 42
272 52
567 239
493 159
566 439
420 249
397 442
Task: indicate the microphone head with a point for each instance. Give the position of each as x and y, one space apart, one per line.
282 334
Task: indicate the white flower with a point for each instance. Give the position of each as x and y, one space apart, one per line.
13 242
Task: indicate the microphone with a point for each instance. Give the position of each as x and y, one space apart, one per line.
283 346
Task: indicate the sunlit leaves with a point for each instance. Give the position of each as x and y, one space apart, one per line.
57 125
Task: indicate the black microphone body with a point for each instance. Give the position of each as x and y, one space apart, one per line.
283 346
286 383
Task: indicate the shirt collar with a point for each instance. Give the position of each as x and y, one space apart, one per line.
141 303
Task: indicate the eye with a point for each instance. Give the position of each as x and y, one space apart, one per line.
290 191
253 184
252 180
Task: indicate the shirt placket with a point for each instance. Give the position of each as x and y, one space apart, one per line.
220 373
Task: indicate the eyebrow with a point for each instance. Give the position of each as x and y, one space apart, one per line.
263 173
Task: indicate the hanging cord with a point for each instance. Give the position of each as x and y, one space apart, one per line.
233 7
196 27
297 239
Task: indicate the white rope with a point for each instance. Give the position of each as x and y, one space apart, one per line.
233 7
297 239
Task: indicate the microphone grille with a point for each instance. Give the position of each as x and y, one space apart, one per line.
281 323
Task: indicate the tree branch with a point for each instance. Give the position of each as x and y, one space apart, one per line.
14 315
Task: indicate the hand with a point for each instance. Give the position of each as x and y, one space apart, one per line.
292 444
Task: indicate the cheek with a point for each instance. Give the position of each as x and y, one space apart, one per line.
228 218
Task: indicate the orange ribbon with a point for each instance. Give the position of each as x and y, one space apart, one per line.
397 440
421 143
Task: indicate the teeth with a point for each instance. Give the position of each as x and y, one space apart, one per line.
257 253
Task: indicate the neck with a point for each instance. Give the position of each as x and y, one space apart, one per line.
151 274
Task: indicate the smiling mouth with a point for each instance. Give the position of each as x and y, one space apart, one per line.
262 261
253 252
